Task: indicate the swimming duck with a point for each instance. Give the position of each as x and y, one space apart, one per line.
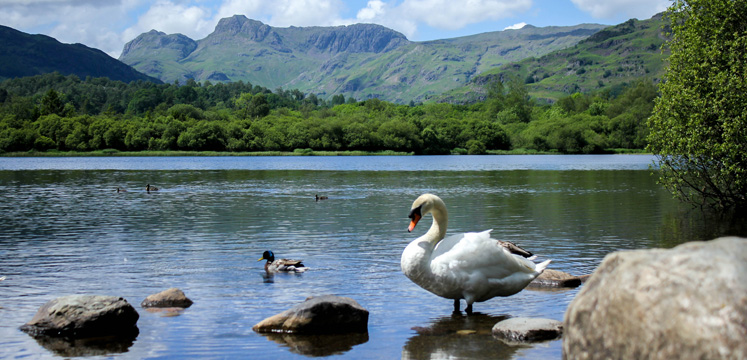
119 190
283 265
320 197
470 266
149 188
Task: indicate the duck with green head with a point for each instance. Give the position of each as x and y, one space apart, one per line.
281 265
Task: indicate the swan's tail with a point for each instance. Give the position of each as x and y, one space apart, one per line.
542 266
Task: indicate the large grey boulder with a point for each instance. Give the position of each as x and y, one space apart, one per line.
77 316
328 314
689 302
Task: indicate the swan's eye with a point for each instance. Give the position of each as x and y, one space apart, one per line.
415 213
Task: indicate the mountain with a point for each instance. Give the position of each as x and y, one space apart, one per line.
361 60
22 54
617 55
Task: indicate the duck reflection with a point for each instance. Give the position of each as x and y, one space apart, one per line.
318 345
92 346
459 337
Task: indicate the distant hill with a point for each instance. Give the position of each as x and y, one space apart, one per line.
22 54
616 55
361 60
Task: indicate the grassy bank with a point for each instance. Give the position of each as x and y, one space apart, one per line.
297 152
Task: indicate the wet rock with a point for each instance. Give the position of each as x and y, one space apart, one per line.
77 316
169 298
528 330
686 302
328 314
556 279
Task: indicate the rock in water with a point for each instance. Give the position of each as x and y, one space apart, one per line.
172 297
527 329
328 314
689 302
82 316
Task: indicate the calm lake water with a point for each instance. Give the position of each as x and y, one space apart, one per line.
64 230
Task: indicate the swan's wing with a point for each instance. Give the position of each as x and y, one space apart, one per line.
473 253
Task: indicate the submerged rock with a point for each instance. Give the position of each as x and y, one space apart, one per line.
328 314
528 329
77 316
686 302
169 298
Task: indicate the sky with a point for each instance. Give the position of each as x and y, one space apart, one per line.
109 24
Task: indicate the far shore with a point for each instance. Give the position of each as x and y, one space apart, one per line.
297 152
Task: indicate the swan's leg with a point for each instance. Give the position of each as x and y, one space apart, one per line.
468 310
456 305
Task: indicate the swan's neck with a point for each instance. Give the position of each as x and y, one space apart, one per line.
437 232
416 258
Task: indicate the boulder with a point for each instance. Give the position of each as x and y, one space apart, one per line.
556 279
328 314
689 302
169 298
528 329
78 316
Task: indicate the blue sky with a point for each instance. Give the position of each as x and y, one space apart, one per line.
109 24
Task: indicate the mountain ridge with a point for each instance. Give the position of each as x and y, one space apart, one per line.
359 60
23 54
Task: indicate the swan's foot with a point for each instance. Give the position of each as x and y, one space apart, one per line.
468 310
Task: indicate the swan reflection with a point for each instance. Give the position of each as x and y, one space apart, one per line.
459 337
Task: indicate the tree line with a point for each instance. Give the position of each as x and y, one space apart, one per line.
66 113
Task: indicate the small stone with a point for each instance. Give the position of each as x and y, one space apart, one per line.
528 329
556 279
328 314
169 298
82 316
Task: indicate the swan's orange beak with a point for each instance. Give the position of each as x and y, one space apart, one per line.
413 221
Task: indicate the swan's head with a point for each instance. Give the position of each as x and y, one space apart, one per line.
267 255
423 205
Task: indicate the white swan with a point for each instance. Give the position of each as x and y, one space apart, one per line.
469 266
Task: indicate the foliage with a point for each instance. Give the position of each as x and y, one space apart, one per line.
699 125
65 113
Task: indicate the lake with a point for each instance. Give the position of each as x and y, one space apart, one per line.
65 230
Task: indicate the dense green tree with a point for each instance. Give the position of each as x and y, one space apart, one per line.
699 125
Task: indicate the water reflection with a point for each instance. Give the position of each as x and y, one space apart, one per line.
93 346
459 337
318 345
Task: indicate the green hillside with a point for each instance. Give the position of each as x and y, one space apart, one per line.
23 54
612 57
361 61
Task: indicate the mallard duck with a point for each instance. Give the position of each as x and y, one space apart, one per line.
282 265
320 197
470 266
149 188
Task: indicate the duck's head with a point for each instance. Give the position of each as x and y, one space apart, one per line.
423 205
267 255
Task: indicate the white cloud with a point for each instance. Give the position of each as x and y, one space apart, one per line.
515 26
641 9
171 18
285 12
452 15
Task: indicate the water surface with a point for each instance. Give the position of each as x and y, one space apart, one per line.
64 230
